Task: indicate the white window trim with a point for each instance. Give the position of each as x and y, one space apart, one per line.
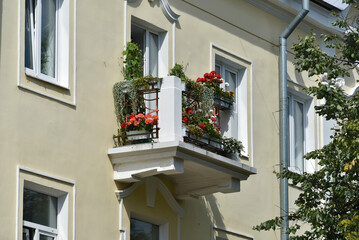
309 130
62 197
61 78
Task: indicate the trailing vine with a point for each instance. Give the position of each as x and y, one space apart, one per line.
122 90
206 100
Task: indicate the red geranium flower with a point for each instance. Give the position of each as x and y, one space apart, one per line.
185 119
123 125
189 110
218 76
213 119
201 126
131 116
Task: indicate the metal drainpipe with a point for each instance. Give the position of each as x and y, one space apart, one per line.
284 122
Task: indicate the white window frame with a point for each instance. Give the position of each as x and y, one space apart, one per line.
308 130
240 106
62 212
162 60
61 77
41 229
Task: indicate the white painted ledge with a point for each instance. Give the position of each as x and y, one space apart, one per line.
193 170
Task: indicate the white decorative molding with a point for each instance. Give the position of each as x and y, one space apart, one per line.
152 184
168 11
166 8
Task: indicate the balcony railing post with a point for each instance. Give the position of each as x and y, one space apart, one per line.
170 110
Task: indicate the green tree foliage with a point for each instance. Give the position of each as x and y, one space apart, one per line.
329 198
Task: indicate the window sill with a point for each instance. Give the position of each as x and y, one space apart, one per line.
295 170
29 73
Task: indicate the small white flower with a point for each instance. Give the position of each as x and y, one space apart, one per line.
339 82
324 77
325 83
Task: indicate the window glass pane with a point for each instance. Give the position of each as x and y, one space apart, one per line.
298 135
48 36
28 36
138 37
44 237
40 208
28 233
143 230
231 79
153 55
218 69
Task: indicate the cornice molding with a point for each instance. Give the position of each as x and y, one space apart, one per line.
166 8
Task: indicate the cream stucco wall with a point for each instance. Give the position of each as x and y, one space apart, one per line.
71 140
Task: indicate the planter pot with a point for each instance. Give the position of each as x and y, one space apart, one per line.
222 103
138 135
204 142
153 85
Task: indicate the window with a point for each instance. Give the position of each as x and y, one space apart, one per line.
141 230
301 132
149 44
230 83
39 216
234 123
46 207
143 227
46 40
297 135
154 45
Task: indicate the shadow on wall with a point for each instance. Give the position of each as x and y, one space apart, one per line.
213 213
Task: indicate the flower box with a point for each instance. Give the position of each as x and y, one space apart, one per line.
222 103
138 135
204 142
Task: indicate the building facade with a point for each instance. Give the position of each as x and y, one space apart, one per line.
62 177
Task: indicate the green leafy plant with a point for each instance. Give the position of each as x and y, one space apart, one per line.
178 71
232 145
124 93
133 61
329 197
128 95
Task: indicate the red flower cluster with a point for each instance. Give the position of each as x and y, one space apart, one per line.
189 110
201 126
211 77
136 122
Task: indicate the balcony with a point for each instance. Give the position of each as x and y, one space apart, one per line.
194 167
